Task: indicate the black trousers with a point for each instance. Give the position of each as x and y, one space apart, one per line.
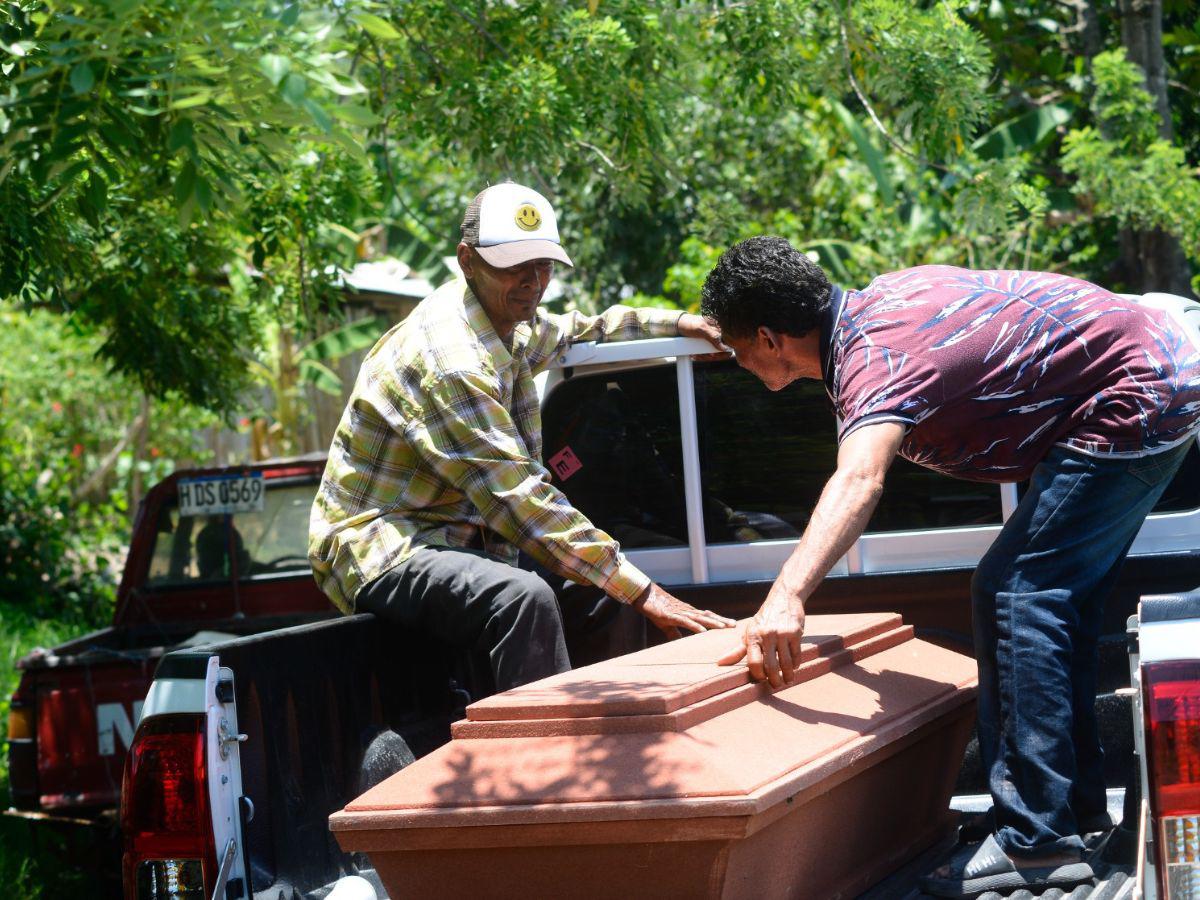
530 622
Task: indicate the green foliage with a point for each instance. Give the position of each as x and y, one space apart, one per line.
1120 102
1181 47
297 237
1123 169
927 67
334 345
1023 133
455 75
62 416
1000 209
685 279
147 147
874 158
99 89
180 179
58 401
169 318
1154 189
57 559
187 177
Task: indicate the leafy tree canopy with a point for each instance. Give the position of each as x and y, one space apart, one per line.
183 177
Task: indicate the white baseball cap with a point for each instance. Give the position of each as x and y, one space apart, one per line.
510 224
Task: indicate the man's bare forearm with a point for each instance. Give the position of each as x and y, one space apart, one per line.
842 512
771 642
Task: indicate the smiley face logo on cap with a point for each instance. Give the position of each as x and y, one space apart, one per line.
528 218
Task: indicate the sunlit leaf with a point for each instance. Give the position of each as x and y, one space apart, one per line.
197 99
1024 132
275 67
347 339
377 27
352 147
318 113
321 377
343 231
68 162
293 88
832 255
341 87
871 155
355 115
187 210
18 49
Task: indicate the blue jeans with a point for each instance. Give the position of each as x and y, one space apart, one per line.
1037 600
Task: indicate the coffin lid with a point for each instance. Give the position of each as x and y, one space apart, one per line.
667 733
665 678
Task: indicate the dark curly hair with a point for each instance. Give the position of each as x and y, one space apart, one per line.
765 281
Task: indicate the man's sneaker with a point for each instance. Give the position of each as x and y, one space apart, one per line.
989 868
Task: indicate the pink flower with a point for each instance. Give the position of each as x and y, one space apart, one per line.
56 406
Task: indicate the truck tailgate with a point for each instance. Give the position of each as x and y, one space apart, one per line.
80 767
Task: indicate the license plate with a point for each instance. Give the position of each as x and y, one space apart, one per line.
221 495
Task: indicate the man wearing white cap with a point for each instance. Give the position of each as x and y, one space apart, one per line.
435 482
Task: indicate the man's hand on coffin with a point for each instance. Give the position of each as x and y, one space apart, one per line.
669 613
771 641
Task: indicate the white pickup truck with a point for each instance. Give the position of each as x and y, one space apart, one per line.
246 744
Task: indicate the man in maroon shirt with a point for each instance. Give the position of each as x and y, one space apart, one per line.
990 376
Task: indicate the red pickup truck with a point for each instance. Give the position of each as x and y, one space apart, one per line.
202 565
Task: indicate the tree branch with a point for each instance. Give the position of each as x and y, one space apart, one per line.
862 98
479 29
102 471
600 153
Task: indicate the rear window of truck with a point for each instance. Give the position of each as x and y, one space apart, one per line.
266 541
764 458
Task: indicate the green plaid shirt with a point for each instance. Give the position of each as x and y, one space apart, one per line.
440 445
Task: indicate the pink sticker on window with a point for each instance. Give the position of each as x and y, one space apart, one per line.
565 463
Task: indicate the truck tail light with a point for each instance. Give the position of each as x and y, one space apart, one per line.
20 722
169 851
22 751
1173 760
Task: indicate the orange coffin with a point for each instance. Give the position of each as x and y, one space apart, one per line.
661 774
